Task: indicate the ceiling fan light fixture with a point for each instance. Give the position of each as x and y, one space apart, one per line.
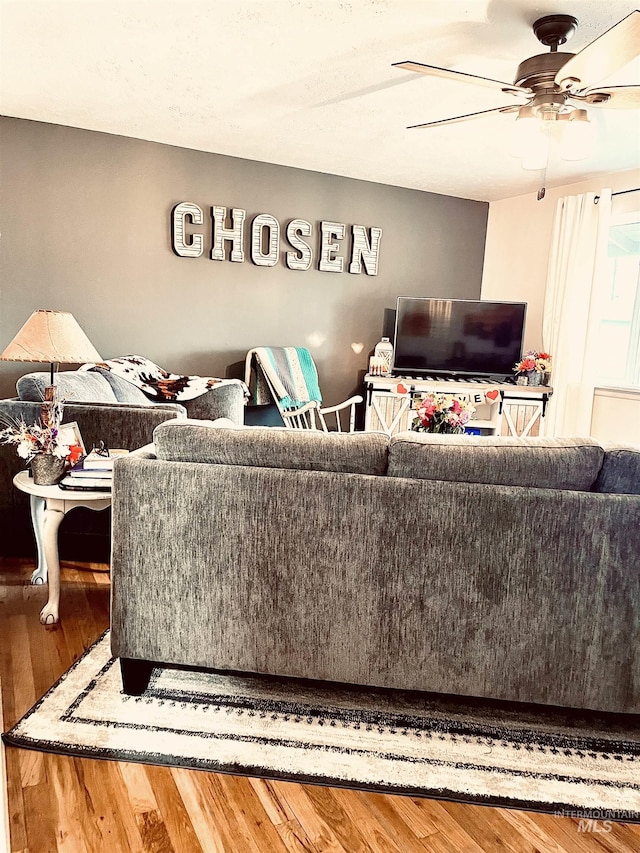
578 136
530 140
525 128
538 125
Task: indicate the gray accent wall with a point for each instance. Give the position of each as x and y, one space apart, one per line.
86 229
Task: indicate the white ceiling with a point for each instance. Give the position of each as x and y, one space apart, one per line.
305 83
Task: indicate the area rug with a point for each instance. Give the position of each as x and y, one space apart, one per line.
392 741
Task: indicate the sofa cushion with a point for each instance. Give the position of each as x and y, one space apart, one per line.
548 463
620 472
271 447
73 386
125 392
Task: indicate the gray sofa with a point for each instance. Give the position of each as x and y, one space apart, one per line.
491 567
106 408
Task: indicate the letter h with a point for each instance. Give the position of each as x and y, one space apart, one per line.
221 233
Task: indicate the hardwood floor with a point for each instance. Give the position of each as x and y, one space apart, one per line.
70 804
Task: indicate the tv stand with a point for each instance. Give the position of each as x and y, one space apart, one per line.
502 408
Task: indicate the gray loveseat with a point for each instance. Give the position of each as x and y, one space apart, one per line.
105 408
491 567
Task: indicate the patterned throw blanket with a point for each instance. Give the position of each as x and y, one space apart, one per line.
288 372
156 383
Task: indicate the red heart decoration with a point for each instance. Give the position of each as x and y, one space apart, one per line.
400 388
493 395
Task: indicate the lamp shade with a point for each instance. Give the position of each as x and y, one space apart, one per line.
51 336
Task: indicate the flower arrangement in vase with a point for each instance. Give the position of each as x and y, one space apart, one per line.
533 368
40 444
443 413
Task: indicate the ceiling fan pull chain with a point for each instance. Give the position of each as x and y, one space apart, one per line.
543 181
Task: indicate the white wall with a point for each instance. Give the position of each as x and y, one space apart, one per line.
515 268
518 242
616 415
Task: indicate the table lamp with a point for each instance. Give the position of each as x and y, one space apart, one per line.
54 337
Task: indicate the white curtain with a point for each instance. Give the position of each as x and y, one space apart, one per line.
573 292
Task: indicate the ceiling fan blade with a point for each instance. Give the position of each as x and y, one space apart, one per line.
508 109
462 76
620 97
608 53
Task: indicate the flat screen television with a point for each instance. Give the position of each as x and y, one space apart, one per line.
457 337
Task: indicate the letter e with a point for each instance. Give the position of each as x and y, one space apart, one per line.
329 262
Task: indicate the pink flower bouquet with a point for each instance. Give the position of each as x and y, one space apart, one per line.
444 413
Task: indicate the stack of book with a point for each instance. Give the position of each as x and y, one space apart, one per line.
94 472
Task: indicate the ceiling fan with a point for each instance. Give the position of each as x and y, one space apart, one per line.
556 87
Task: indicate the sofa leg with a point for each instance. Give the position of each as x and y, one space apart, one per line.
135 675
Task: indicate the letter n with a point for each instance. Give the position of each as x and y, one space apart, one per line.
364 250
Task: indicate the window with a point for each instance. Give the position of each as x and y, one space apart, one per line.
619 328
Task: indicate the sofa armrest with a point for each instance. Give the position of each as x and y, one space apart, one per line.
224 401
620 472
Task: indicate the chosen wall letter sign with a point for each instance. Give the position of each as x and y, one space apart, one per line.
221 233
193 248
264 244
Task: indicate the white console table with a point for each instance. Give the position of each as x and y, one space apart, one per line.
501 409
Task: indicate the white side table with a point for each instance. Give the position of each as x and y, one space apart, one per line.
49 505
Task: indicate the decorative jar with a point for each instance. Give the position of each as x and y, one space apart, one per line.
47 469
384 350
